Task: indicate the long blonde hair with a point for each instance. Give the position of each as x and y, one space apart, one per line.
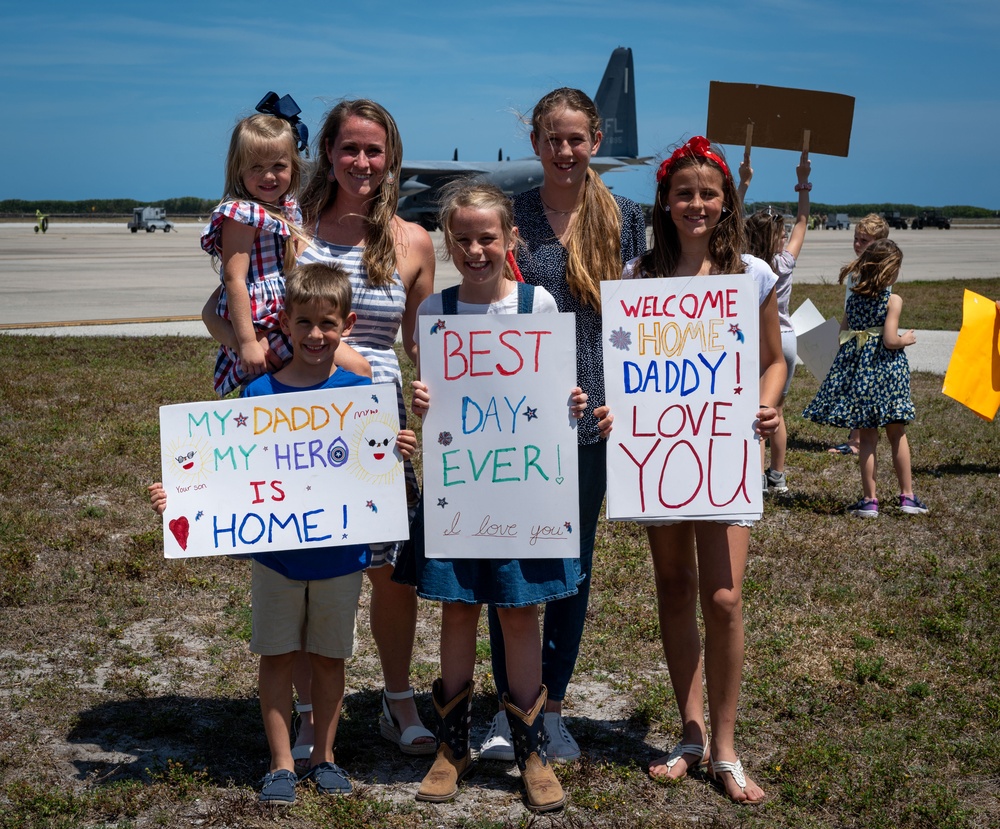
258 139
593 244
320 192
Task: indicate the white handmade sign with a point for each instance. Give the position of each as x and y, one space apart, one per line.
816 340
499 444
681 376
310 469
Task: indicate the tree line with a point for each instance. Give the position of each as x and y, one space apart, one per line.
193 206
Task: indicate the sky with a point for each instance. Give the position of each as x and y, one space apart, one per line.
137 100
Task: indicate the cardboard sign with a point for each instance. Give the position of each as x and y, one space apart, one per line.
973 377
282 472
779 117
499 444
681 361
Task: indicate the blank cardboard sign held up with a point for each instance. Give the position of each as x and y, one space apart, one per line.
779 116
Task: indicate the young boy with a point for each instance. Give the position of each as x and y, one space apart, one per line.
871 228
306 600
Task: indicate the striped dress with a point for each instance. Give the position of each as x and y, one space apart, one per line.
380 315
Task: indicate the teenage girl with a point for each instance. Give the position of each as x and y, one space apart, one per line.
766 240
868 385
698 231
252 234
479 233
575 234
349 208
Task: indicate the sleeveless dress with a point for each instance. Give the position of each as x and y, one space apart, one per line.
265 280
380 314
868 385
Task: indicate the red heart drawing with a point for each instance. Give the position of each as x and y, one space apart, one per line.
180 527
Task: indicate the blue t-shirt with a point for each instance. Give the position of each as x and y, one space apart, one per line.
320 562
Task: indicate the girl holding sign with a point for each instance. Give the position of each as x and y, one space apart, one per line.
479 233
697 231
575 234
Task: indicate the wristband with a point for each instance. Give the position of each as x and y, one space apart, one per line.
800 187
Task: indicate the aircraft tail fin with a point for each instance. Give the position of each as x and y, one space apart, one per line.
615 102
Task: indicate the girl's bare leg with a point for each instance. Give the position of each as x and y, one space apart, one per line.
867 461
523 645
458 646
672 549
722 555
896 432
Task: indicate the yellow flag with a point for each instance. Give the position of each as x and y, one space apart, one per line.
973 377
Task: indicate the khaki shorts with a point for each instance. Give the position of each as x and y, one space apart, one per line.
314 616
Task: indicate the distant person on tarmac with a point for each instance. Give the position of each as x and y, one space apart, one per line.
766 240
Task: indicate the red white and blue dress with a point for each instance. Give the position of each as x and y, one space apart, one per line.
265 279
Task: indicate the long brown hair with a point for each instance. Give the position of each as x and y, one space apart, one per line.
593 244
765 231
728 239
875 269
380 242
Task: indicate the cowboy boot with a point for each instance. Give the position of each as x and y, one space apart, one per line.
453 760
543 789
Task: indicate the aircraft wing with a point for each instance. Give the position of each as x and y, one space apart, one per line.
606 164
445 169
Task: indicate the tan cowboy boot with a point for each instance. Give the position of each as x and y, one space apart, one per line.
453 760
542 787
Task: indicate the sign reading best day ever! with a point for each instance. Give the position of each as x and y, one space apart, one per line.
499 444
303 470
681 378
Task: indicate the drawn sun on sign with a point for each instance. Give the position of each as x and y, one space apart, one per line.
188 460
374 458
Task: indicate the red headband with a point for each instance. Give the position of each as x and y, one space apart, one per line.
697 147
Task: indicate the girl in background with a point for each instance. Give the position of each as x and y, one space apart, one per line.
766 240
868 385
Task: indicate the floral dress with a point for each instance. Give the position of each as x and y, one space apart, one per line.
868 385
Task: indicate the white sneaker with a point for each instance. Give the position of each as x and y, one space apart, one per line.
562 747
498 744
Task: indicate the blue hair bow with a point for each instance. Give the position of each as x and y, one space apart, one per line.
287 109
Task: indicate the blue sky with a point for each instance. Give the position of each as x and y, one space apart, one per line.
136 100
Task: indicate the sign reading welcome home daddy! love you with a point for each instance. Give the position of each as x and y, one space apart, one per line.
499 444
291 471
681 377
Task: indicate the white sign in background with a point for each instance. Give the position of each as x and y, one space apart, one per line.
282 472
681 377
499 444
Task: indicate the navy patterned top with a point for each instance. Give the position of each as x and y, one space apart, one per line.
543 262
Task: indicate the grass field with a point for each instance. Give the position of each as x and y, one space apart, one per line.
871 695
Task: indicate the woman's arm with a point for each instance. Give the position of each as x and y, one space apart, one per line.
798 234
221 330
891 338
772 367
415 257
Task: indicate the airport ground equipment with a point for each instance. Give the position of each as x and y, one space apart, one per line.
931 218
41 222
895 220
837 221
149 219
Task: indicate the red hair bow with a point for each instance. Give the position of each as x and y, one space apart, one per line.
696 147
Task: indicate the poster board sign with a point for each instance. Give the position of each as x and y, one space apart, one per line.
499 444
816 340
303 470
681 359
973 376
779 117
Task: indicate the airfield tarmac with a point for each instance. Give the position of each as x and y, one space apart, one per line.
76 276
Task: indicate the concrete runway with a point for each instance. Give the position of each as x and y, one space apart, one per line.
102 273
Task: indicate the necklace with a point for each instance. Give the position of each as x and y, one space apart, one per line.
553 210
